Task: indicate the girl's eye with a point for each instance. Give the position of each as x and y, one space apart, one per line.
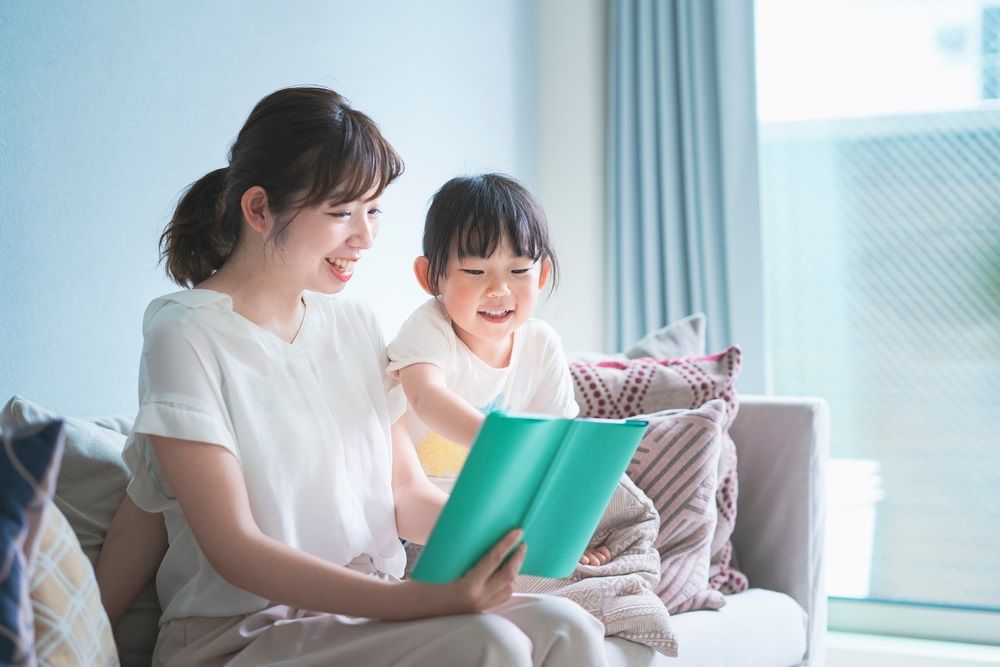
520 271
473 272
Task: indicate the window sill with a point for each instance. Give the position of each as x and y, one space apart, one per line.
847 649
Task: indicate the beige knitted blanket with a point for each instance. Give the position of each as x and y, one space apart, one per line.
620 593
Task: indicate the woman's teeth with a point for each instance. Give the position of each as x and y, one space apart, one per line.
344 265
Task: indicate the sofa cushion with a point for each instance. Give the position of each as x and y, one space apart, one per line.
93 476
618 389
676 466
683 338
756 628
71 627
29 461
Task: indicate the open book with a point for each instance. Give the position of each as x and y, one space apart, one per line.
551 477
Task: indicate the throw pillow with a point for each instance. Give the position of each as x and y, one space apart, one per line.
683 338
676 466
29 462
71 627
618 389
93 476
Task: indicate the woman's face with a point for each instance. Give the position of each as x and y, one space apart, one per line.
323 243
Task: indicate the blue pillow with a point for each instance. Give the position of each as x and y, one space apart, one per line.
29 461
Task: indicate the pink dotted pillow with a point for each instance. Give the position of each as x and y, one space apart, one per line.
616 389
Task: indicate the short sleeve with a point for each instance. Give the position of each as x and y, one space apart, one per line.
424 338
555 393
179 397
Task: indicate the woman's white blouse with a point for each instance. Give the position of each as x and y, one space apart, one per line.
308 422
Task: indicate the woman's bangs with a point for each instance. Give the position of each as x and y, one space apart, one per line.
360 163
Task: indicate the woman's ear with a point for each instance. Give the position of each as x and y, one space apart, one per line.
543 275
256 212
421 269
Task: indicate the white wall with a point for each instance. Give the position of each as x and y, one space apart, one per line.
571 75
108 109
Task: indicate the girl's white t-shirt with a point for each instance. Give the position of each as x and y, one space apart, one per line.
308 422
537 379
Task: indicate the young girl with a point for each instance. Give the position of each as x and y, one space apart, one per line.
266 438
473 347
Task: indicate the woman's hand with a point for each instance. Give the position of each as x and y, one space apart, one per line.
489 583
598 556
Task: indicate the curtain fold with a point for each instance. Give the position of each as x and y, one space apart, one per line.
672 197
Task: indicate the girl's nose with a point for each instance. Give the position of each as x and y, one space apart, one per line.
497 288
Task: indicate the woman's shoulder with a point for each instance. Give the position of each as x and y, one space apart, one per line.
181 308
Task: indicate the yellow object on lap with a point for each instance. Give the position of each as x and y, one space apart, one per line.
441 457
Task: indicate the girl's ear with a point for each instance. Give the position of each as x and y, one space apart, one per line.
543 275
253 203
421 269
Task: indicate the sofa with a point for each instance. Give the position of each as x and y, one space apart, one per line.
778 542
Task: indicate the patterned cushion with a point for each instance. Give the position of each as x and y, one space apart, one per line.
71 627
93 476
618 389
676 466
28 466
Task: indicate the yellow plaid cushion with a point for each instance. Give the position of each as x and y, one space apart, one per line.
71 627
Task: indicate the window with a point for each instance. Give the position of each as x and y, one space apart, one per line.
879 141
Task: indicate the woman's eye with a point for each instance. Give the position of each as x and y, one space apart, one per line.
375 212
343 215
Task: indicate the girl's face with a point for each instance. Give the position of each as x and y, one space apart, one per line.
488 299
324 242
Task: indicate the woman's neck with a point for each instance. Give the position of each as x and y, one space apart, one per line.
259 296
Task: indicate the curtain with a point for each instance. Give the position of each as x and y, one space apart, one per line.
682 191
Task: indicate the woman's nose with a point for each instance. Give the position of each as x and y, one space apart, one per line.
362 232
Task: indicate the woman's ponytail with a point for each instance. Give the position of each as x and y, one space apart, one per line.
200 235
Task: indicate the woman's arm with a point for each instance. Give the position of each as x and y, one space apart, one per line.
438 406
133 548
209 486
418 502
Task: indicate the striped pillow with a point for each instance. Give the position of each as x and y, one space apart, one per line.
676 466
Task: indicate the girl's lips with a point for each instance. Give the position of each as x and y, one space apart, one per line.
496 319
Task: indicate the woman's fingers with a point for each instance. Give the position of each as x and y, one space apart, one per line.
489 563
604 554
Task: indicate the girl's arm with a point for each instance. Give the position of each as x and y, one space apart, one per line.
133 548
209 486
439 407
418 501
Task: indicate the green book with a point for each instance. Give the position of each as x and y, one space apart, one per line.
551 477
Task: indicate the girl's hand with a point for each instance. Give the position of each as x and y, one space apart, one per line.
489 583
598 556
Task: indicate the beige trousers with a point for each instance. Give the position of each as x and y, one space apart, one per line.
527 630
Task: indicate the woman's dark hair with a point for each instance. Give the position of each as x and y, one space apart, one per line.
473 214
304 146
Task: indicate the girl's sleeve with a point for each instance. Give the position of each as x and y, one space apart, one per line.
555 393
180 397
423 339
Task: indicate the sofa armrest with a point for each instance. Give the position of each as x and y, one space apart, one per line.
782 445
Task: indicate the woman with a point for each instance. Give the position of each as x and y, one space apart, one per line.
268 440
